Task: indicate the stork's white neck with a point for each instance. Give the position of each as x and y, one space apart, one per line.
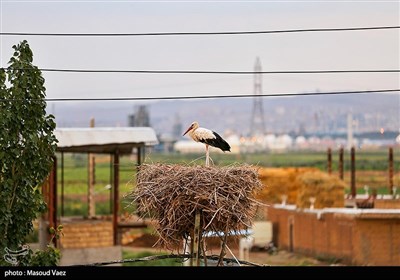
191 133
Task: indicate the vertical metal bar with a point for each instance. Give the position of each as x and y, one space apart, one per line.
391 170
187 249
62 184
341 152
116 197
329 161
353 172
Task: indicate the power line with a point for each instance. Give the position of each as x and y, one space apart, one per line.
199 33
208 96
206 71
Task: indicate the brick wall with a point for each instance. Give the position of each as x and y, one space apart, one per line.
87 234
378 242
349 238
387 203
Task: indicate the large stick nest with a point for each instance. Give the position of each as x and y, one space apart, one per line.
171 195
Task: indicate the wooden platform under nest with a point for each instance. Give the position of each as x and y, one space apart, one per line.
171 194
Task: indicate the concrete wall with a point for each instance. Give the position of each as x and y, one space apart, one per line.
353 239
82 256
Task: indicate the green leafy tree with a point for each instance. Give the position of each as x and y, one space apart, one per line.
27 147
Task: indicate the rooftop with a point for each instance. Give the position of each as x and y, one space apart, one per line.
104 139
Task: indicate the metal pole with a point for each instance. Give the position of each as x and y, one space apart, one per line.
353 172
187 249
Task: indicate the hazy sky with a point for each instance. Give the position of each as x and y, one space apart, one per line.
291 51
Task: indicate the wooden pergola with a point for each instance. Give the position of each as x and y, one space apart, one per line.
113 141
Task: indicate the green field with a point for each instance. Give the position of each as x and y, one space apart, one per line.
371 170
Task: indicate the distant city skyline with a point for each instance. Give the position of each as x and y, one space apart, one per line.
303 115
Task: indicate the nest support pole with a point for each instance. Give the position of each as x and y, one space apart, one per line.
207 156
196 240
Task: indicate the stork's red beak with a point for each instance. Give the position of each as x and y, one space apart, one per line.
190 128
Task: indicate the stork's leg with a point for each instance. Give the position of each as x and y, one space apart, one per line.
207 156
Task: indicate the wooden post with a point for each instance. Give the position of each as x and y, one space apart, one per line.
111 183
341 151
116 197
45 217
91 181
138 159
62 184
353 172
53 198
329 161
195 260
391 170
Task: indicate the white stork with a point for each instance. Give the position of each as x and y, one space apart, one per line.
208 137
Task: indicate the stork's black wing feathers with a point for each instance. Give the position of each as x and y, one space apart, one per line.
217 142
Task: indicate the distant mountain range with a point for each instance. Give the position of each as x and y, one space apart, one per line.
322 114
